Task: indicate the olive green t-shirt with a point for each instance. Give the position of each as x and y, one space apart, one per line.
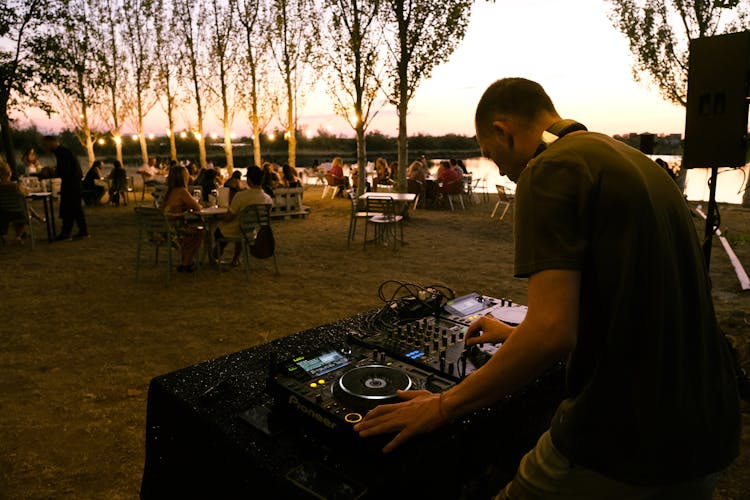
651 394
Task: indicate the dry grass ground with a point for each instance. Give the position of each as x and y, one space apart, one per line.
81 340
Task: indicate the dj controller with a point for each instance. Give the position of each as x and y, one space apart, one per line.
336 385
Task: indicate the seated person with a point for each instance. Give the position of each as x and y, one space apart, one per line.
416 172
93 192
177 201
30 162
289 177
337 176
208 182
19 219
118 183
270 180
230 226
448 179
234 184
149 170
382 172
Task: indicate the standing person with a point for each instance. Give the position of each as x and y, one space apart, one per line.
68 169
617 283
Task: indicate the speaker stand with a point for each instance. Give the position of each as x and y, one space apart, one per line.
711 225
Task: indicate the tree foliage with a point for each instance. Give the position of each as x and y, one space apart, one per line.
421 35
22 22
659 34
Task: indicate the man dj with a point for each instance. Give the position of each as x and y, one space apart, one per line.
617 286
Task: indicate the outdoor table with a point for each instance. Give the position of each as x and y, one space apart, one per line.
49 211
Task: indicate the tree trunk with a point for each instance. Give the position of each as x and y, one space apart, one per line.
142 138
172 140
89 144
403 146
361 157
7 141
118 148
256 138
228 148
291 124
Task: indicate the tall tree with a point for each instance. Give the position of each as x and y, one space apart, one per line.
253 15
294 42
140 40
659 34
423 34
352 56
222 35
69 58
20 22
166 64
112 69
189 25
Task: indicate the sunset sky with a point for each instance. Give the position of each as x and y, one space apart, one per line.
571 48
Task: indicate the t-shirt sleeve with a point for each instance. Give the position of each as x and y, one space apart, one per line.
551 230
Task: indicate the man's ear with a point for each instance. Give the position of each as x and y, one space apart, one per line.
503 130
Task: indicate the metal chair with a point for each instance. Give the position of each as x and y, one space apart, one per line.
251 219
503 197
154 229
386 220
14 209
356 214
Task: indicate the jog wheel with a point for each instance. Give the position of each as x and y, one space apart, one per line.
366 387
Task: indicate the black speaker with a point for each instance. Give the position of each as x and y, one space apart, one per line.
716 118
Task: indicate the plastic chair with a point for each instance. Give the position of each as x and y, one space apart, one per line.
331 186
454 191
14 209
154 229
251 218
503 197
386 220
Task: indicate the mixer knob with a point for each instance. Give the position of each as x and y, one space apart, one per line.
426 348
382 357
318 398
453 338
445 340
450 368
435 344
442 363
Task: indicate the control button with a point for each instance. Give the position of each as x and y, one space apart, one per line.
313 385
352 418
321 381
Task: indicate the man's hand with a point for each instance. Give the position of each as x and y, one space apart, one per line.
420 413
487 329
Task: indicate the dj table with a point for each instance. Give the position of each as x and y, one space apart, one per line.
268 421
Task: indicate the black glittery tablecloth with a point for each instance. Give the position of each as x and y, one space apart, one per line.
197 446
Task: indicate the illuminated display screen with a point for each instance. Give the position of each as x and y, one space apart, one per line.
322 364
466 305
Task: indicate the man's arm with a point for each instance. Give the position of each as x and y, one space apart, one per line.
547 334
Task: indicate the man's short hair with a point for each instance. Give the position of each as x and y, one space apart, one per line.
254 175
518 98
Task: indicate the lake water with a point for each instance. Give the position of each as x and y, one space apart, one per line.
731 181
